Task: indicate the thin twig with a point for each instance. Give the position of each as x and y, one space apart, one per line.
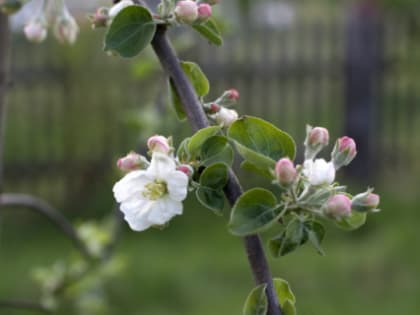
26 305
42 207
233 190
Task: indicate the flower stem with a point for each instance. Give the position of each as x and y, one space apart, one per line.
233 190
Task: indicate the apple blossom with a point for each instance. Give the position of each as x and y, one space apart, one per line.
153 196
319 172
233 94
36 30
344 152
65 27
99 18
338 206
186 11
225 116
204 12
366 201
285 172
158 143
316 139
132 161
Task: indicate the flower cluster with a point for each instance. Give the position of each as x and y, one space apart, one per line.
311 187
54 14
150 194
219 111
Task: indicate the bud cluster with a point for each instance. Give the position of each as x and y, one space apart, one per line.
64 25
190 12
219 111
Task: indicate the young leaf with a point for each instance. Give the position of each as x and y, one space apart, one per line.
253 212
354 221
212 181
197 77
216 149
201 136
176 101
183 154
256 302
260 142
315 232
289 240
283 291
288 308
210 31
130 31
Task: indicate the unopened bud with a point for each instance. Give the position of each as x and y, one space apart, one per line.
285 172
99 18
159 144
316 139
204 12
338 206
117 8
226 117
132 161
66 28
233 94
36 30
10 6
344 152
186 11
366 201
186 169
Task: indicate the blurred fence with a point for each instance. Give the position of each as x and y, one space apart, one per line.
68 108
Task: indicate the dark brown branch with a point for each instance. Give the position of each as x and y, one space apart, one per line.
40 206
26 305
233 190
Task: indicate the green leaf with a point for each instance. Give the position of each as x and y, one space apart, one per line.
289 240
248 166
175 101
254 211
288 308
212 181
216 149
354 221
283 291
183 154
210 30
130 31
261 143
256 302
201 136
315 232
197 77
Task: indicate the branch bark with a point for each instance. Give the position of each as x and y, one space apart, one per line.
42 207
233 190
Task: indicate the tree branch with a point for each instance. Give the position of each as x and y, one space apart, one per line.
233 190
42 207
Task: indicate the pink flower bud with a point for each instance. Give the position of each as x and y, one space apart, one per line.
132 161
285 172
159 144
366 201
316 139
204 12
66 28
100 18
214 108
233 94
186 169
338 206
36 30
344 152
186 11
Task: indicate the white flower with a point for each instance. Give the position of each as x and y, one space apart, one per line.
36 30
225 116
152 196
319 172
115 9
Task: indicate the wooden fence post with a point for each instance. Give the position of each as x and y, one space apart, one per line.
363 65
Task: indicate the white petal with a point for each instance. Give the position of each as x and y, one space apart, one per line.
130 185
136 214
161 166
177 183
163 210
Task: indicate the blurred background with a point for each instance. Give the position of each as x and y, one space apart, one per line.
350 66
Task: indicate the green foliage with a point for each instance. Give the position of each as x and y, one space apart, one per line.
130 32
256 302
261 143
199 81
212 181
216 149
210 31
297 232
285 295
198 139
254 211
353 222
